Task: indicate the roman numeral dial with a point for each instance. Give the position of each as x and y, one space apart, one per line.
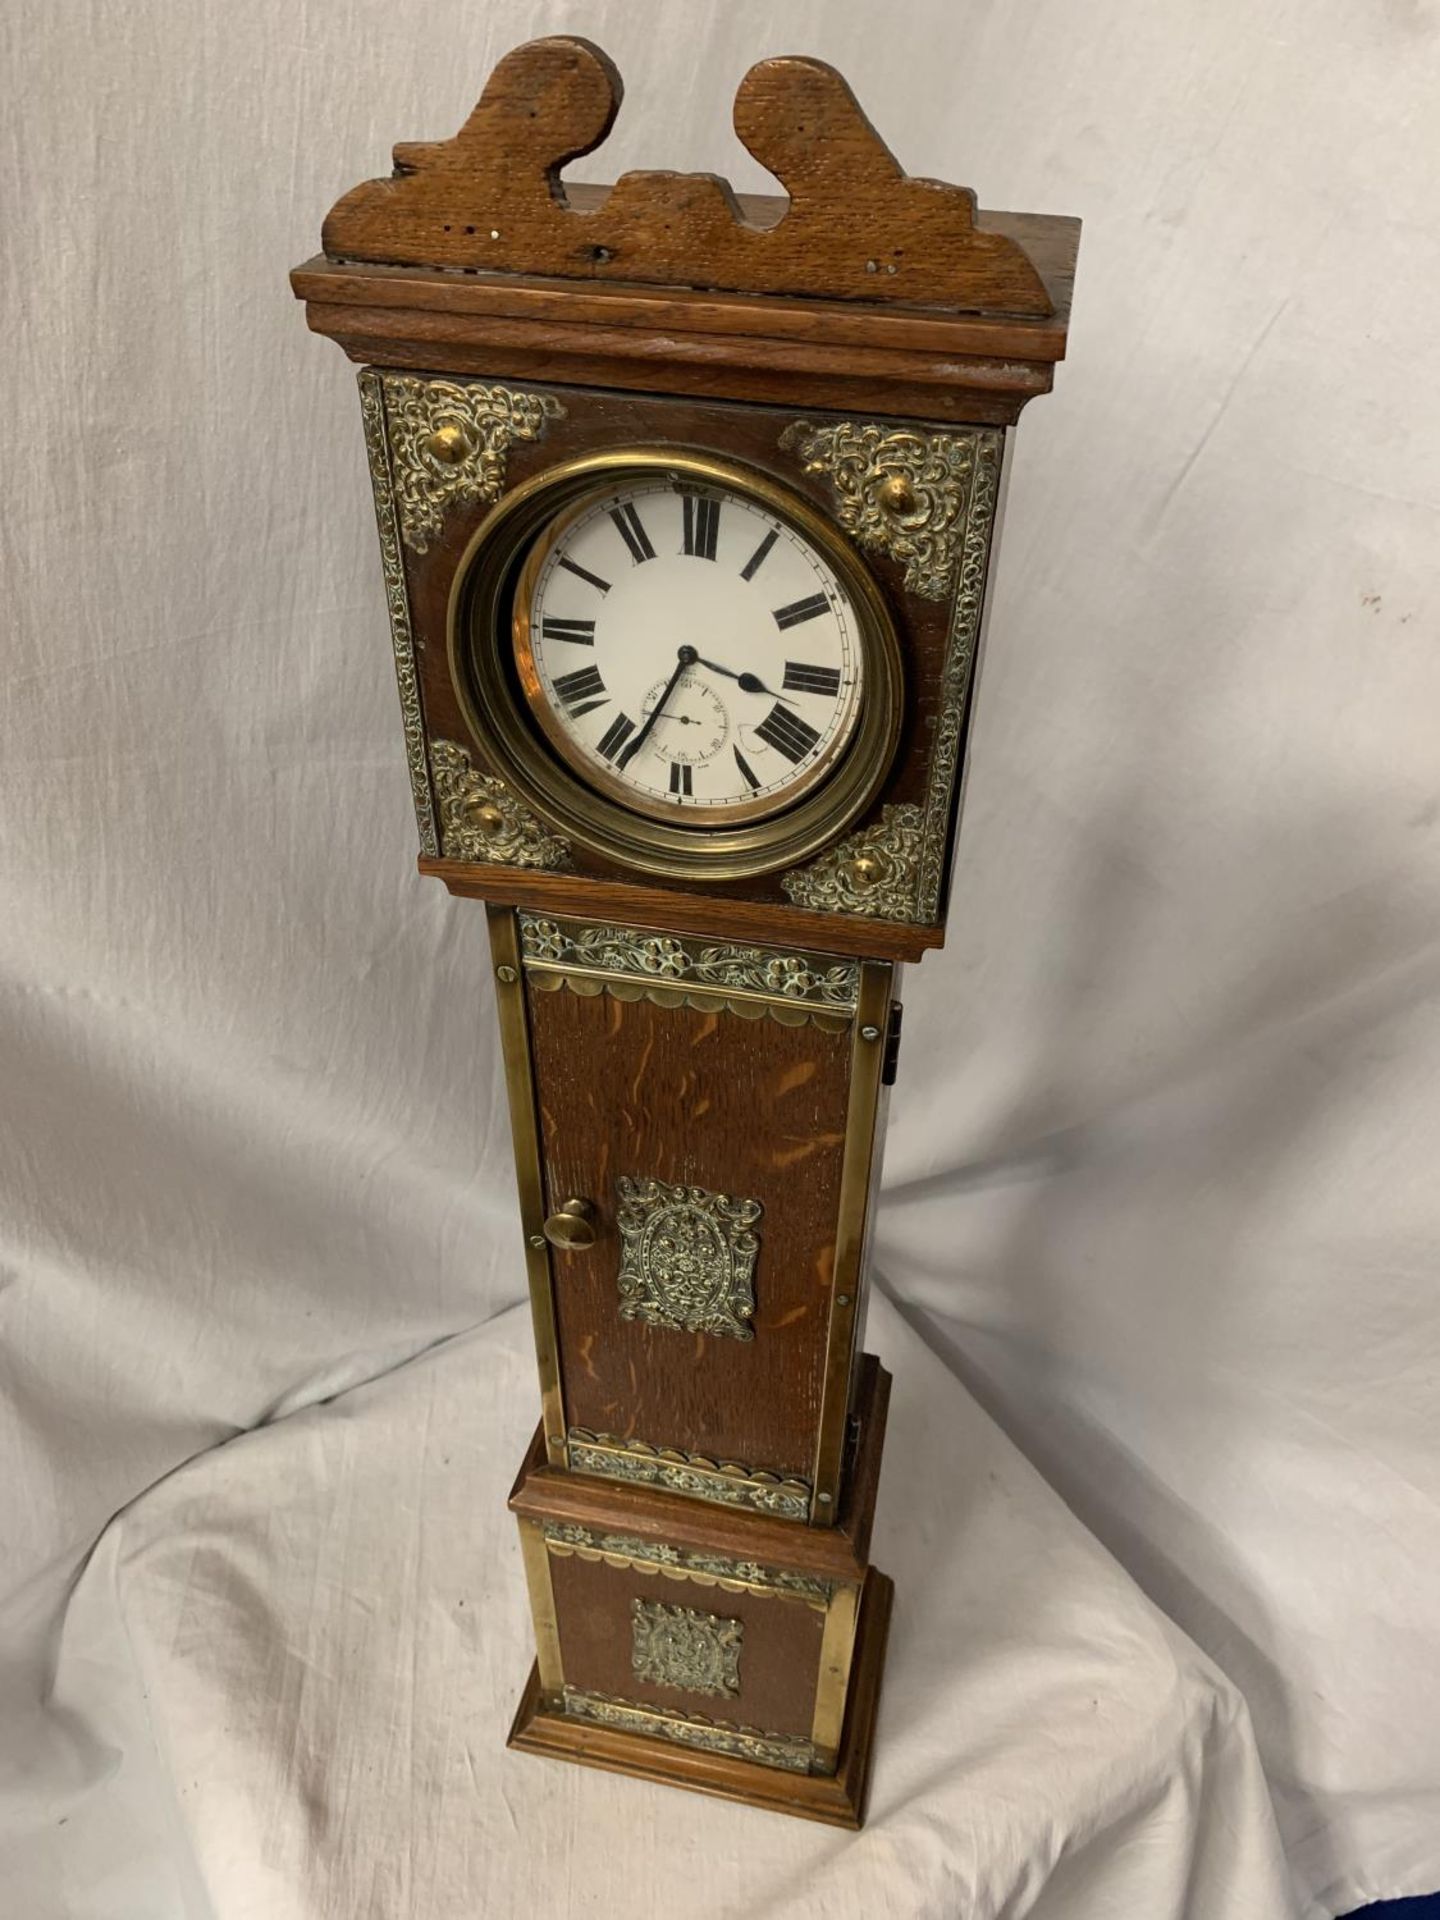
652 645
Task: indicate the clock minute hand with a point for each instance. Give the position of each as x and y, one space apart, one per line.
749 682
686 657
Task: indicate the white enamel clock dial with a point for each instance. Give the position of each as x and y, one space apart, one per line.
689 652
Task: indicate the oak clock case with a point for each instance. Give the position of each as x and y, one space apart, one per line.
687 509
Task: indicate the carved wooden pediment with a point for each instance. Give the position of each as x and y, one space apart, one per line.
857 227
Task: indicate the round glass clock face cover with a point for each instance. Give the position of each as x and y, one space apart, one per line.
688 651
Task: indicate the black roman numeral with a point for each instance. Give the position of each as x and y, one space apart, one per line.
583 573
702 525
799 610
583 685
752 779
757 559
582 632
680 778
632 532
787 733
616 734
800 678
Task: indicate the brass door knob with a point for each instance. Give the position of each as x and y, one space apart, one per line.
572 1226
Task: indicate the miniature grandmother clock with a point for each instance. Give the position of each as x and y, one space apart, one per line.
687 513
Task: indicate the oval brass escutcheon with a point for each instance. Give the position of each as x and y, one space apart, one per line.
571 1227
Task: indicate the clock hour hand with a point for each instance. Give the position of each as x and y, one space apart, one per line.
749 682
686 657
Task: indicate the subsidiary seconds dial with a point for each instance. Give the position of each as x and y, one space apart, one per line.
688 651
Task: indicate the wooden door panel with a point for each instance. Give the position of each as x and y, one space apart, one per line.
749 1108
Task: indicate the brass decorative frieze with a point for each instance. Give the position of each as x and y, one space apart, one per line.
725 1483
673 971
480 819
687 1258
448 445
397 600
927 501
786 1751
678 1647
566 1537
874 872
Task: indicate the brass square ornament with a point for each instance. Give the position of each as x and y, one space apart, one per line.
677 1647
687 1258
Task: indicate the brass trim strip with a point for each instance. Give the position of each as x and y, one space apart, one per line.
566 1537
832 1686
675 963
725 1483
397 600
788 1752
529 1176
542 1607
867 1059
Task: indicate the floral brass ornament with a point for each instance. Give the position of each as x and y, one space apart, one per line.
750 981
692 1652
480 819
899 492
448 445
687 1257
397 600
873 872
927 501
724 1483
789 1752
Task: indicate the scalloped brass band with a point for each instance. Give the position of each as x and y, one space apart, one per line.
565 1537
674 970
726 1483
787 1751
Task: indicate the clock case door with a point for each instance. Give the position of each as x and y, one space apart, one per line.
720 1109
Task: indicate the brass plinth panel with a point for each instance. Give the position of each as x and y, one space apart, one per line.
687 1258
678 1647
482 642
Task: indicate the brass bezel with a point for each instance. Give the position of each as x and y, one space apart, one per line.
481 639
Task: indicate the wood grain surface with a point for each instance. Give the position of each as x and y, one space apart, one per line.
779 1654
748 1108
856 227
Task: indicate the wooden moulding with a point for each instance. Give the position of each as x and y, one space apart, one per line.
865 288
663 910
842 1552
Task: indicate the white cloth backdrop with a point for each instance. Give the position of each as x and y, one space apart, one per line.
1161 1211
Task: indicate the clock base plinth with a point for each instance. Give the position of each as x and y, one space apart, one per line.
836 1799
685 1641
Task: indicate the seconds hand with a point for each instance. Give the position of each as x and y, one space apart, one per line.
686 657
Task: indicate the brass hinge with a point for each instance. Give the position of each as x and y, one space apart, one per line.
892 1045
